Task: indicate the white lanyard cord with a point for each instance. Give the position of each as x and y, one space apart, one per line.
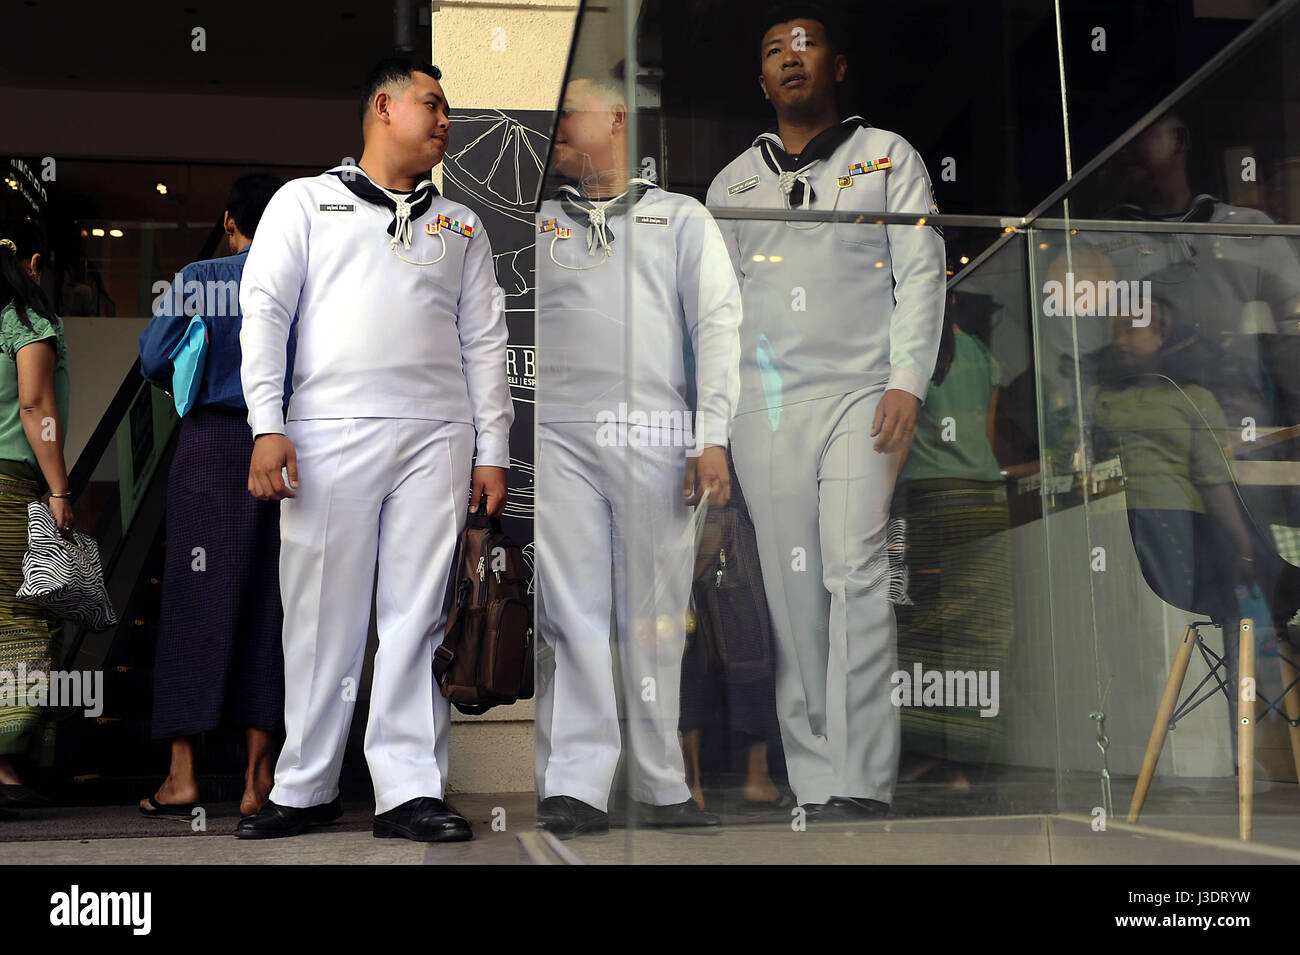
815 225
596 234
402 232
393 245
608 253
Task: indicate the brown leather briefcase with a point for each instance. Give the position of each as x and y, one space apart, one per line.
486 657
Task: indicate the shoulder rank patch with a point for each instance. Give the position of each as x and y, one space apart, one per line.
653 220
862 168
741 186
450 224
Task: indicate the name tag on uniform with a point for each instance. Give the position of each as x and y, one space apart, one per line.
862 168
652 220
450 224
749 183
337 207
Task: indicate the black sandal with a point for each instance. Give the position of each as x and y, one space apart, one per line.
18 796
159 809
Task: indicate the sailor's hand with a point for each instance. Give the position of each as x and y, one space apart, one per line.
488 482
895 421
709 470
272 454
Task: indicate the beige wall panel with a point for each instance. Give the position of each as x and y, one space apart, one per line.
503 56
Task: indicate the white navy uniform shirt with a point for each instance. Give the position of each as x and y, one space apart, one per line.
377 336
872 296
682 284
1208 279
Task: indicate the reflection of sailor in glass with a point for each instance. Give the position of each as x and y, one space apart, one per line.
620 257
842 324
1239 294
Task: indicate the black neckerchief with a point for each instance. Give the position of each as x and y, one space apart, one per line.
359 184
820 147
579 209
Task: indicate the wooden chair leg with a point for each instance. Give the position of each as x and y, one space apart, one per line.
1291 704
1160 728
1246 731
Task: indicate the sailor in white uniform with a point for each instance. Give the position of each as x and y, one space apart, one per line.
625 272
840 337
399 381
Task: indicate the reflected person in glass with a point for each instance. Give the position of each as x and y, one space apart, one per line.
618 258
842 325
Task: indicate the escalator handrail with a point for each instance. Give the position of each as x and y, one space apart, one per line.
105 431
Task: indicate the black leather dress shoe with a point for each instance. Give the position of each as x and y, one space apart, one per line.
423 819
682 815
565 816
274 821
844 809
853 809
812 810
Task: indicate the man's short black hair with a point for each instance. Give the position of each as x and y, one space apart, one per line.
394 69
785 12
248 198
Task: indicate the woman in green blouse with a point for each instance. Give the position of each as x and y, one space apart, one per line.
33 410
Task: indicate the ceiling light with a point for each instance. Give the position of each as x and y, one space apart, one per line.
98 233
115 233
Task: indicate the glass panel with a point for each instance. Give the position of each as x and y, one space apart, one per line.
851 631
1181 402
1166 292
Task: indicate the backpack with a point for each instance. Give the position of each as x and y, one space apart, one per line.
486 657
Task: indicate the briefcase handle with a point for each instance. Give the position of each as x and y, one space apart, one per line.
480 518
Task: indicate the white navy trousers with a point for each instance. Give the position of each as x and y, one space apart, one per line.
819 496
610 529
395 490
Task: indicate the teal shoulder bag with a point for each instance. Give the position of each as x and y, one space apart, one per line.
188 358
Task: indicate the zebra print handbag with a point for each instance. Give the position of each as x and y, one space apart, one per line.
62 575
